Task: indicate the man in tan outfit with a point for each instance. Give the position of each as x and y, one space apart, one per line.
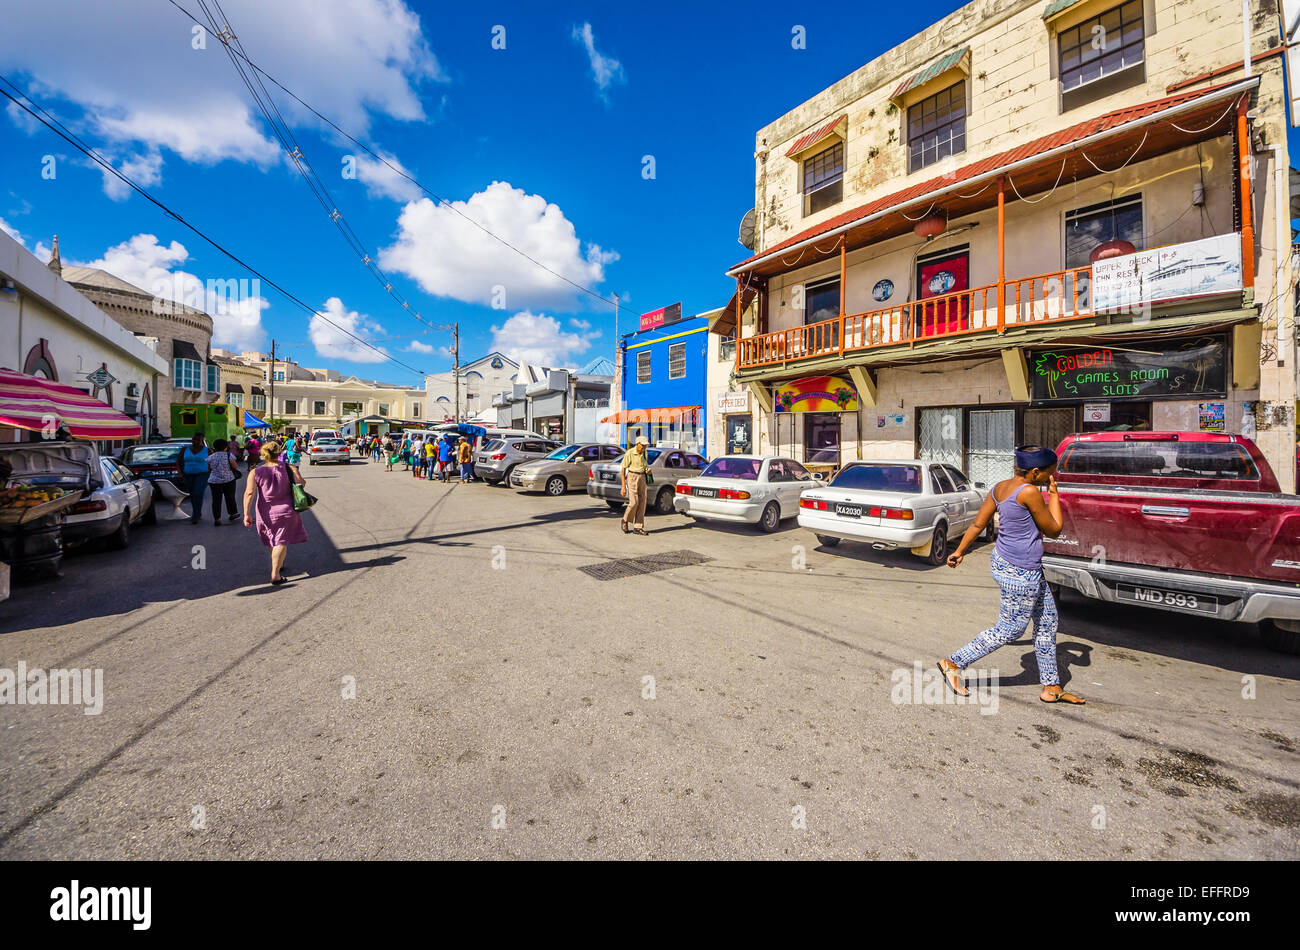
632 475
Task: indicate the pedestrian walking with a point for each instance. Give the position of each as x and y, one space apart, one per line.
374 449
270 495
390 454
1017 566
406 453
417 457
223 469
463 456
446 455
632 479
252 448
430 459
192 463
292 453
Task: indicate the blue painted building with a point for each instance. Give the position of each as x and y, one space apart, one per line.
663 384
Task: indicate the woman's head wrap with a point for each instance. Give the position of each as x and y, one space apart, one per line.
1034 456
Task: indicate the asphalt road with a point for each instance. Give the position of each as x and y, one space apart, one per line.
502 707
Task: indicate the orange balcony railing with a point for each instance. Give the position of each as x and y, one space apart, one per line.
1064 295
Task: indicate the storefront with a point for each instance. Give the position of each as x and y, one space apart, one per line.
737 422
820 413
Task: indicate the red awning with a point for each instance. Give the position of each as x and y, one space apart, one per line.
29 402
812 138
654 416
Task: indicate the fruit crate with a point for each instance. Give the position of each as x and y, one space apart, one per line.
18 516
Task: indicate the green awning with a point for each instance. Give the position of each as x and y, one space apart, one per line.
951 61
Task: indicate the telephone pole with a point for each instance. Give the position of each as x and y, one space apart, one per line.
271 404
455 354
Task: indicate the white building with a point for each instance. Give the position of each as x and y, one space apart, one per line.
479 382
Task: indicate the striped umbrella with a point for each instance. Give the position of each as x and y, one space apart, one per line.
29 402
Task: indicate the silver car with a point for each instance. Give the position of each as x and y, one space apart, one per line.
667 468
327 449
497 458
564 469
753 489
114 497
903 503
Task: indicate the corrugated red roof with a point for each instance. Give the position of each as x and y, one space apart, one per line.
1037 146
812 138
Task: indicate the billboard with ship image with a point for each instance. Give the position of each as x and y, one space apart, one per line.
1204 268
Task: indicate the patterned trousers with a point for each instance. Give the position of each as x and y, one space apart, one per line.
1025 597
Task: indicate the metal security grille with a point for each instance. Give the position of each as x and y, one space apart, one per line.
619 568
992 450
941 436
1047 427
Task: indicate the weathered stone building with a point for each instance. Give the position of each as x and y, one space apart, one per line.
1031 218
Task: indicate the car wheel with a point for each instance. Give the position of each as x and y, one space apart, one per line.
827 541
120 538
505 477
556 485
150 516
664 501
1281 635
770 520
615 505
939 544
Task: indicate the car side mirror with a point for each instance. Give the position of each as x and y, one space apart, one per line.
981 486
819 476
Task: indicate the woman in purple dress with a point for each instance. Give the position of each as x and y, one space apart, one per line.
270 494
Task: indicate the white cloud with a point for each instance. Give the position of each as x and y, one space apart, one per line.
145 170
537 338
353 59
606 70
8 229
234 304
418 347
451 257
579 324
384 181
332 343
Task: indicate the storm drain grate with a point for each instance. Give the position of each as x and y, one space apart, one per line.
632 566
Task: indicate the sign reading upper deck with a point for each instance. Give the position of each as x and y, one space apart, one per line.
1202 268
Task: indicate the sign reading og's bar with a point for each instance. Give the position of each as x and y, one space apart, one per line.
661 317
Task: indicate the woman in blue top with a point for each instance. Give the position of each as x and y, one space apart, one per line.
1017 566
291 453
193 465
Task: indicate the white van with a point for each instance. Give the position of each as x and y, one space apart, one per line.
325 434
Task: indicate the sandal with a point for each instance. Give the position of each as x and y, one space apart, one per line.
639 530
952 676
1061 696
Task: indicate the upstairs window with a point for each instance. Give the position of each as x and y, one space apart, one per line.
1085 228
291 407
823 179
643 366
318 407
235 399
188 374
936 127
214 375
676 360
1107 50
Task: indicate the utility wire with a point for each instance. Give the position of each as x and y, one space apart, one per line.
54 125
401 171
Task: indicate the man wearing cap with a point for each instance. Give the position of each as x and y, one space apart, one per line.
632 476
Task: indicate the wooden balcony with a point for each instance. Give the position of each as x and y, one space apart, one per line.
1029 301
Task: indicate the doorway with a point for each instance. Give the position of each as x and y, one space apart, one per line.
740 434
991 450
821 438
939 276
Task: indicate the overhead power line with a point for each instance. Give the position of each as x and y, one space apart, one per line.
395 168
37 112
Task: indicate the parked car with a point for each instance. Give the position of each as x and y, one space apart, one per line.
498 457
761 490
154 461
565 468
1191 522
114 500
326 449
890 504
667 467
325 434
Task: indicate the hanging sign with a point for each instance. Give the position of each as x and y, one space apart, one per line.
1197 368
101 378
733 402
661 317
1178 272
816 394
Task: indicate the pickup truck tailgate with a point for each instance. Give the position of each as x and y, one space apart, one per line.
1231 533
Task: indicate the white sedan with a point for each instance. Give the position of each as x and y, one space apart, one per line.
894 504
328 450
753 489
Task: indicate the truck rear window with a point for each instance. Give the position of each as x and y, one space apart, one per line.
1159 460
902 479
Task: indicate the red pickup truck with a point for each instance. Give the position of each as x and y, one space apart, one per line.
1192 522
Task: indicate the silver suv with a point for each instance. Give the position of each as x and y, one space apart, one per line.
495 460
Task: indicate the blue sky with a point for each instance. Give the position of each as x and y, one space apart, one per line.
546 116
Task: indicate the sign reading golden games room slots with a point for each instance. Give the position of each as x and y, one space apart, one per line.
1138 371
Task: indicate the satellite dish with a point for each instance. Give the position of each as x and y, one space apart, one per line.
747 229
